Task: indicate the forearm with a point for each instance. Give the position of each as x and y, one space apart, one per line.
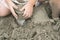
32 2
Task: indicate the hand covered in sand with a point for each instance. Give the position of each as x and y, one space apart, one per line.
28 9
11 6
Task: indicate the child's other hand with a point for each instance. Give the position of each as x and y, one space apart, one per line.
11 6
28 9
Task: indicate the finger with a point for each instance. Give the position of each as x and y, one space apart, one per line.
15 6
22 9
27 16
13 12
25 13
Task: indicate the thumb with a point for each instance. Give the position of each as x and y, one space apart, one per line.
22 8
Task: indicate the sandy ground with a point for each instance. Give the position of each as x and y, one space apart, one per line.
39 27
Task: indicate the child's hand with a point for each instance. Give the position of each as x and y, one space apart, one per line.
11 5
28 9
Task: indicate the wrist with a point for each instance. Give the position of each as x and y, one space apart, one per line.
29 4
32 3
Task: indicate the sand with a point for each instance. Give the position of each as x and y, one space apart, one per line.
38 27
